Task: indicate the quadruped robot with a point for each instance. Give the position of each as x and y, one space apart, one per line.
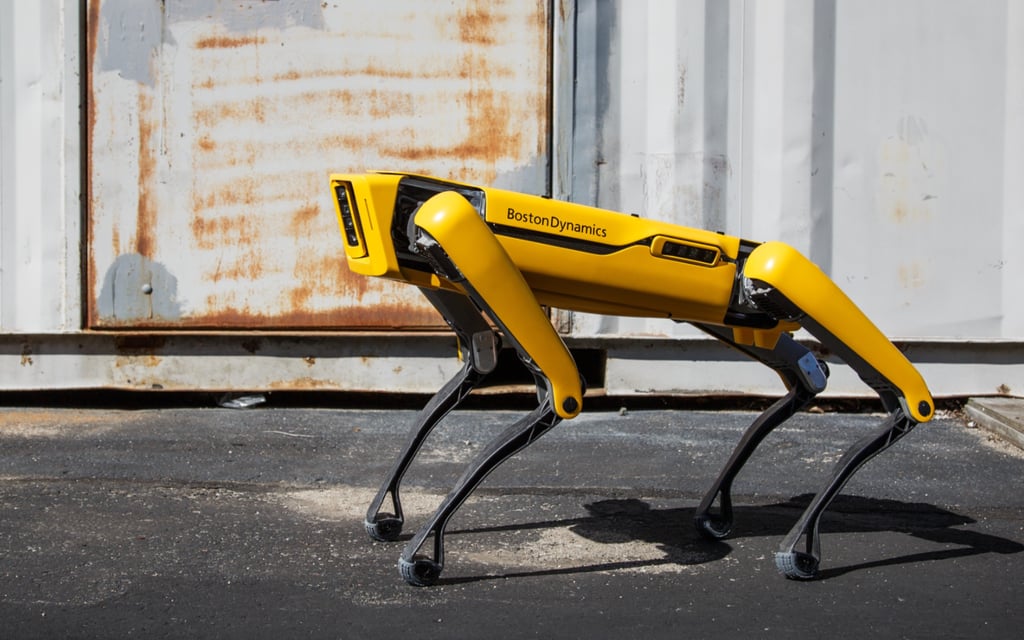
480 253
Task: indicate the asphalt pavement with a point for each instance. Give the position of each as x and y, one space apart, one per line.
221 523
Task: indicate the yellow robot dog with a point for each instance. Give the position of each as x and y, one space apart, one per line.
476 251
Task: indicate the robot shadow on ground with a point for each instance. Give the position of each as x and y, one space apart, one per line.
617 521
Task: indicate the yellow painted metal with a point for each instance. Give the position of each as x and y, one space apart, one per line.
373 197
520 251
806 286
622 274
451 220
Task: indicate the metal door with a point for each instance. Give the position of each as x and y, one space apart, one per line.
212 127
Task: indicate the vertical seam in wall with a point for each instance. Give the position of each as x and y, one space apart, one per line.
822 176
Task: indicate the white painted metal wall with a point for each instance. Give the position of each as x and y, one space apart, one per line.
40 140
884 140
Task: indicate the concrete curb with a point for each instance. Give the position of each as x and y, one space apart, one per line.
1002 416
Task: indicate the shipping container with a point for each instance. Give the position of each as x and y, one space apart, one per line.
165 221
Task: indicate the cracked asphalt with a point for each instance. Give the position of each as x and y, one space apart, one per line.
219 523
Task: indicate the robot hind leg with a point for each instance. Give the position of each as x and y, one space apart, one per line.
780 281
804 375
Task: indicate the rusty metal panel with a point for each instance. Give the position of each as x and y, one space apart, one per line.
212 127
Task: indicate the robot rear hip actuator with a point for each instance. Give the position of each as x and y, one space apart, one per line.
491 260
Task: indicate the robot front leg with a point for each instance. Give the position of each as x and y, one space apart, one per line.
423 570
478 345
448 233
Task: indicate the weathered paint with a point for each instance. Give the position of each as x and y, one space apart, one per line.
405 362
213 126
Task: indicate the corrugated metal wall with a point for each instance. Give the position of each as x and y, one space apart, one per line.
40 142
885 140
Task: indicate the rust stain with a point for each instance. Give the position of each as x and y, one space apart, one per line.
248 266
134 350
291 74
26 355
369 69
487 113
906 183
479 23
491 134
299 296
331 277
92 41
309 360
374 69
397 316
226 197
390 104
474 27
335 102
115 240
229 42
149 361
260 186
257 187
899 212
304 220
912 276
326 277
544 106
494 126
350 141
235 111
473 24
303 383
214 233
145 239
